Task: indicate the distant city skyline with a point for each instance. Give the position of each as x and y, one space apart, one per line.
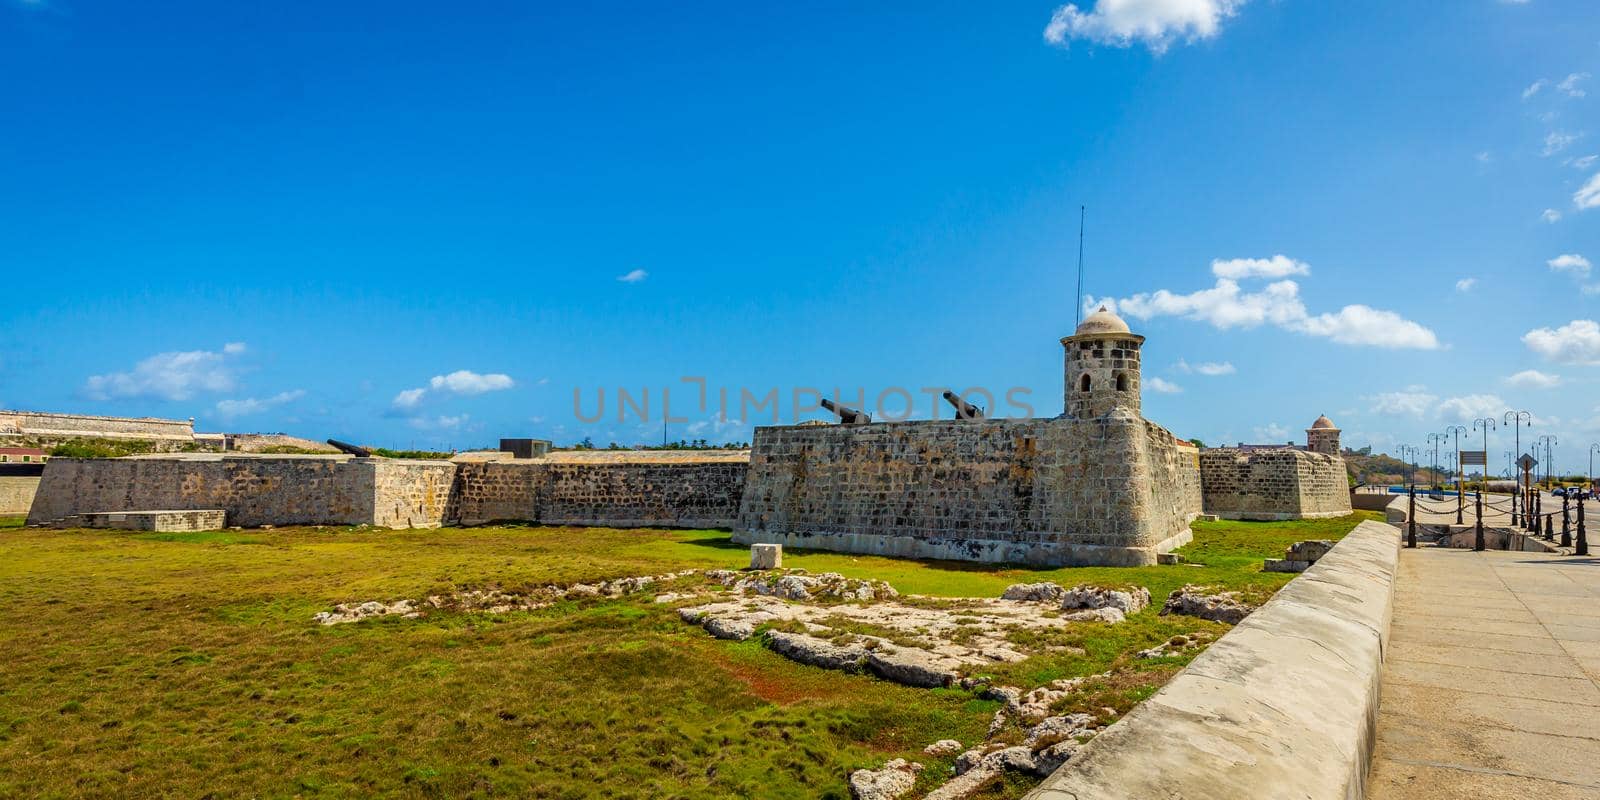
414 226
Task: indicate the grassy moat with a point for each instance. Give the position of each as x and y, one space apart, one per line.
188 665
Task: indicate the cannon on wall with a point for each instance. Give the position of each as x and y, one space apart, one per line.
355 450
846 415
964 409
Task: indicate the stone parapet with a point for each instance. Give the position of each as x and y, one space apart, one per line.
1273 484
1116 489
1284 705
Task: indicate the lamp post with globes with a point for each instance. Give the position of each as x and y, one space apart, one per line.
1456 431
1517 419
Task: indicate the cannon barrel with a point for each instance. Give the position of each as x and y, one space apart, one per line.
964 409
355 450
846 415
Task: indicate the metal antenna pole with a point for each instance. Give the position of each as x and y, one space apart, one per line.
1077 315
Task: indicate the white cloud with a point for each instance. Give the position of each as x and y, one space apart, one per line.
1472 406
1556 141
1534 379
1466 284
1414 401
464 381
1577 342
1154 23
439 423
1569 84
1275 267
633 276
229 409
1588 196
1570 262
172 376
1272 432
1583 162
409 398
1550 215
1533 88
1225 306
1208 368
1484 156
1161 385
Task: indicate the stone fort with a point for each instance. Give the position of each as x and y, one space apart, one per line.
1097 485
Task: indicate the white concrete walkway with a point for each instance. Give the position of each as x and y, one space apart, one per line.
1491 684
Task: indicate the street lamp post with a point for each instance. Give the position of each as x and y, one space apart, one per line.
1486 424
1456 431
1516 419
1590 477
1434 439
1548 440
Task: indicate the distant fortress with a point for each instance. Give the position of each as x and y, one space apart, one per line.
1098 485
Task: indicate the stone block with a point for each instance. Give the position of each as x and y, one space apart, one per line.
1309 550
766 556
1284 565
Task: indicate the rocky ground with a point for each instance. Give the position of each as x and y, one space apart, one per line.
855 625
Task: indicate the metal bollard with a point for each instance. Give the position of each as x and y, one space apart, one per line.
1566 522
1411 519
1477 510
1583 540
1549 527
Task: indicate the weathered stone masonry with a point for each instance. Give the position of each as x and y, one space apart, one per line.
1283 483
1043 491
393 493
683 494
254 491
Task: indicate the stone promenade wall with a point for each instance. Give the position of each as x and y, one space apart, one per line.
38 424
254 491
1041 491
1273 484
683 494
1284 705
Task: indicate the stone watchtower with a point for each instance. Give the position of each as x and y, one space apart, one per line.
1323 437
1102 367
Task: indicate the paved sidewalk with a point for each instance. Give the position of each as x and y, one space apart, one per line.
1491 684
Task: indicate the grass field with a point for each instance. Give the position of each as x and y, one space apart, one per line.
187 665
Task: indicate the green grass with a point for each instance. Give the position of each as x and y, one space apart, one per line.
187 665
12 522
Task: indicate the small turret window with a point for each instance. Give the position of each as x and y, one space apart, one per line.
1083 384
1122 382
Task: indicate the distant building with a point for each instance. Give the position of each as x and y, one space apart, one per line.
23 455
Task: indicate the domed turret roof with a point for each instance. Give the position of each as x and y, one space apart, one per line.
1102 321
1323 423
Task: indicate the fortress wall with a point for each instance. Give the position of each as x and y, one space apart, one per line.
684 494
1273 484
16 493
680 495
253 491
410 494
1324 486
1050 491
496 491
34 423
1174 484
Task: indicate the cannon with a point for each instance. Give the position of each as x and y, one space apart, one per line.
355 450
848 416
964 409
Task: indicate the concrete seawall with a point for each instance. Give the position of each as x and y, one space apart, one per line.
1283 706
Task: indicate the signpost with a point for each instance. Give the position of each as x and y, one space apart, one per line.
1526 464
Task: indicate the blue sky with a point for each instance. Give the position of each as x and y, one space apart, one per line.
408 224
